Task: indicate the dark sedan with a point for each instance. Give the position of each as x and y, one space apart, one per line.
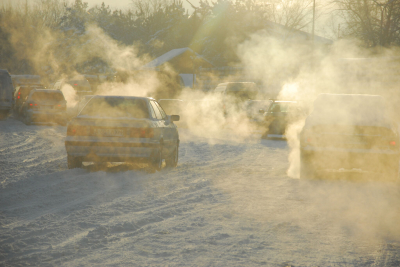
43 106
278 116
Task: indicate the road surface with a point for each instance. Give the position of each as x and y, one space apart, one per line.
229 202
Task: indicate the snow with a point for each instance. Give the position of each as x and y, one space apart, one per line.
228 203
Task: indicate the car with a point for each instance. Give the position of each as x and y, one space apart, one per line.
44 105
233 95
278 116
123 129
347 132
253 107
21 92
6 94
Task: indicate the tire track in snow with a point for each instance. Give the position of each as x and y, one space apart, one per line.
27 151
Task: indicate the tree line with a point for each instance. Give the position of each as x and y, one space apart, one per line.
51 36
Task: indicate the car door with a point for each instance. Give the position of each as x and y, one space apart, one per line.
169 130
160 120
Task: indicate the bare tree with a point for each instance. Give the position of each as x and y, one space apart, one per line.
376 22
292 14
146 8
49 12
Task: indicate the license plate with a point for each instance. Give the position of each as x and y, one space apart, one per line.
109 132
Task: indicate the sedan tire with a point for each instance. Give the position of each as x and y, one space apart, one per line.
74 162
307 170
156 160
27 120
172 160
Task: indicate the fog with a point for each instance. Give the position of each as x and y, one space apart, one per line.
287 70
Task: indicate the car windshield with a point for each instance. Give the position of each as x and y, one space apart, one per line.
240 96
256 105
47 96
116 107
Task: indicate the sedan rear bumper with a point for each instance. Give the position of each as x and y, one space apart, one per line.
365 159
111 151
46 115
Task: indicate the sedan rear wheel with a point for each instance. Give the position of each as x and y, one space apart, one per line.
3 114
74 162
27 120
307 169
172 160
156 161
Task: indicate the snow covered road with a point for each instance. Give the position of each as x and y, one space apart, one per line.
228 203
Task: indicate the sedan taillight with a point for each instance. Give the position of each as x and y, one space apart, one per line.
60 106
142 133
393 145
33 105
77 130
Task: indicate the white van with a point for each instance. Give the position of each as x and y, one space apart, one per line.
6 93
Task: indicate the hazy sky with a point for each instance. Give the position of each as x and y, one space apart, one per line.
122 4
119 4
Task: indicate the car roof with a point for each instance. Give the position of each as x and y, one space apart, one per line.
32 86
166 99
282 101
46 91
120 96
4 71
233 82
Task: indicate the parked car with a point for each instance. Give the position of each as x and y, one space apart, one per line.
122 129
81 85
20 95
234 94
6 94
278 116
346 131
253 107
44 105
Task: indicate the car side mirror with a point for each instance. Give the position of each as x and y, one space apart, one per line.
175 117
261 111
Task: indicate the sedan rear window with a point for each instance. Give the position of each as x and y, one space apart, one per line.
242 95
116 107
280 107
47 96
